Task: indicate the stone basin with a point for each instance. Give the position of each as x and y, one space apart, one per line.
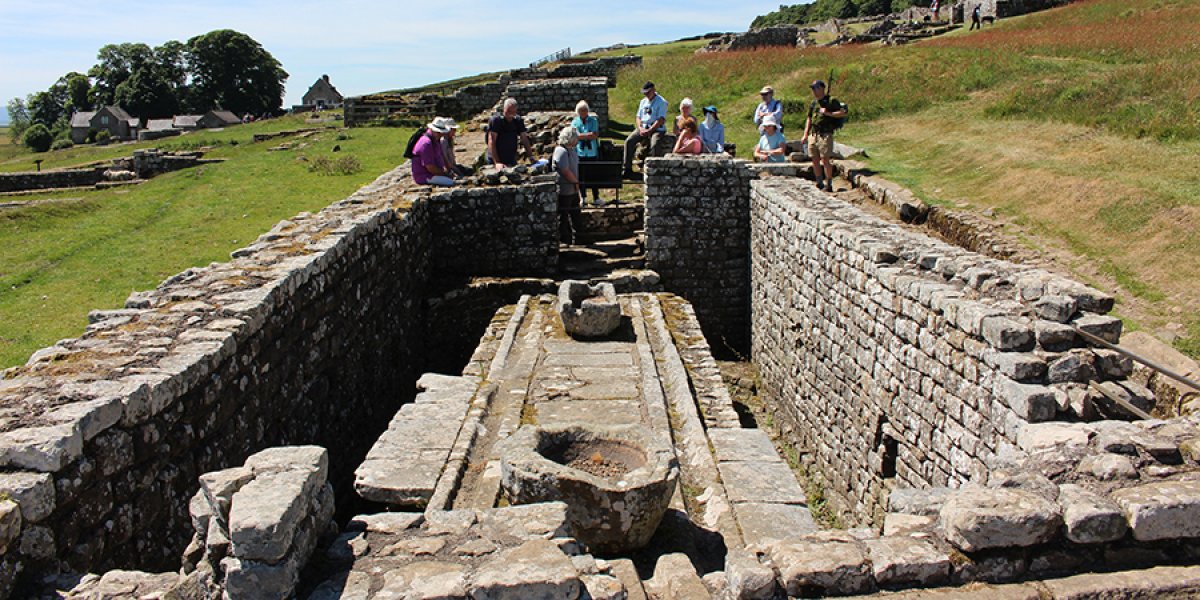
616 480
588 311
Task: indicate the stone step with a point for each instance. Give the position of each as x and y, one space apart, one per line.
575 254
622 248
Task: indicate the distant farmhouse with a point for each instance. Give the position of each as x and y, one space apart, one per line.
320 96
119 124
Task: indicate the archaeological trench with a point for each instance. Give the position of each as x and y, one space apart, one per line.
393 398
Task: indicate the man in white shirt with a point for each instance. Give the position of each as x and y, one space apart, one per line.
769 107
649 126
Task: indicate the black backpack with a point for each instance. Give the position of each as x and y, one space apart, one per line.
412 141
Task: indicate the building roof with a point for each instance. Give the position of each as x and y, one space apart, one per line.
225 116
187 121
120 113
160 124
82 119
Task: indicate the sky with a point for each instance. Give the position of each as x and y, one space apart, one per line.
364 46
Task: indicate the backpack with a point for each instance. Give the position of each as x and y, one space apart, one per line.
412 141
828 123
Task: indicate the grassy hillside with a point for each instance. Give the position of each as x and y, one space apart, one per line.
68 253
1079 124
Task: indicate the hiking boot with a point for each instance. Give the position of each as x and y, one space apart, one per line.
820 185
829 186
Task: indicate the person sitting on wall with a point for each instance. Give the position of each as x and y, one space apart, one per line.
772 146
689 138
589 140
685 112
769 107
712 131
453 169
503 132
428 160
565 162
649 126
825 116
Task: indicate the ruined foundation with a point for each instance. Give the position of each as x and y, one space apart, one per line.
939 400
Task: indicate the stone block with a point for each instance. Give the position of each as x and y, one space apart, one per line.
1034 403
1059 309
1108 467
1161 511
425 580
827 567
253 580
771 482
923 502
747 578
1090 518
762 522
903 524
675 577
291 458
535 569
1102 326
265 513
43 449
10 524
742 445
1006 334
390 522
907 561
33 492
982 519
1075 365
1018 366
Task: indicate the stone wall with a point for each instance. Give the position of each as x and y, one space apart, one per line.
698 240
562 95
45 180
781 35
898 360
313 334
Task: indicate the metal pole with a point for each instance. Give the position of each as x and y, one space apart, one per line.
1137 412
1145 361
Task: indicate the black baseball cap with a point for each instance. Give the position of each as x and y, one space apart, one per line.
817 84
649 85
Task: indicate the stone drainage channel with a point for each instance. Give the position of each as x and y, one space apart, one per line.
444 452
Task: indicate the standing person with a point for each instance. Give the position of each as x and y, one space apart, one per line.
825 115
589 140
772 145
975 19
712 131
566 166
689 138
685 112
428 160
503 133
769 107
649 126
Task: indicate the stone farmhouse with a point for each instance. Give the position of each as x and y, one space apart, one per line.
119 124
321 95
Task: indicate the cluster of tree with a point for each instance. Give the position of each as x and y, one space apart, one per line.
823 10
220 69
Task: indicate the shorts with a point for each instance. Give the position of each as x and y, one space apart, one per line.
820 144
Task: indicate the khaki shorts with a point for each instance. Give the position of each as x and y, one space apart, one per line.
820 145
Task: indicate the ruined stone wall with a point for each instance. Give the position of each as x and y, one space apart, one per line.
312 335
562 95
44 180
897 360
698 240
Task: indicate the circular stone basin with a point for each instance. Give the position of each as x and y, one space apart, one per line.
616 480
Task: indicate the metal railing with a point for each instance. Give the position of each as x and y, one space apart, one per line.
563 54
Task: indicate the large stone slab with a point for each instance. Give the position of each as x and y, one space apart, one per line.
425 580
907 561
537 569
408 483
771 482
981 519
762 522
1163 510
596 412
266 511
606 359
810 567
742 445
1090 518
34 492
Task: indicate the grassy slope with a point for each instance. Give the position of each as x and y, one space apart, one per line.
1081 124
75 251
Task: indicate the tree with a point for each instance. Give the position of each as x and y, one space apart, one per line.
78 91
231 70
18 117
874 7
171 61
147 94
48 107
38 137
117 63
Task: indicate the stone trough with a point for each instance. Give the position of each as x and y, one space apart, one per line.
588 311
616 481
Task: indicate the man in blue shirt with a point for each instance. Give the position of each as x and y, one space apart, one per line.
769 107
649 126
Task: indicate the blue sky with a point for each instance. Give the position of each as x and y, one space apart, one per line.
365 46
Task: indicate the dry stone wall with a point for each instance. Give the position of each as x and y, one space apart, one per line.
899 360
698 239
313 334
550 95
44 180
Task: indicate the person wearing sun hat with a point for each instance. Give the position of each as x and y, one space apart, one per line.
428 160
453 169
712 131
772 146
769 107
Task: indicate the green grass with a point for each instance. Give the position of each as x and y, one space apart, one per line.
77 251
